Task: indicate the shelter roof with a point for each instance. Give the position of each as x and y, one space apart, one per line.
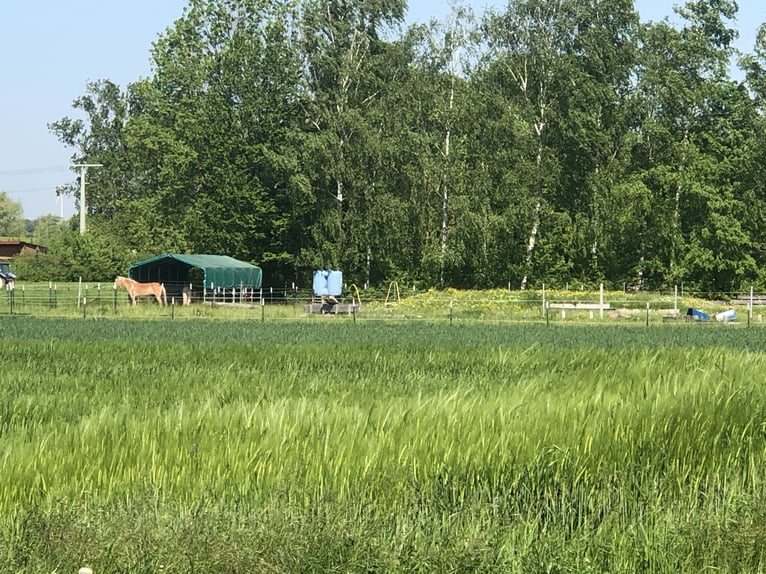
218 270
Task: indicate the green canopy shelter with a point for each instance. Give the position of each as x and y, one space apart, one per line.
216 271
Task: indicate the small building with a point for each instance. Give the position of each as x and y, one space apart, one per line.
10 249
199 273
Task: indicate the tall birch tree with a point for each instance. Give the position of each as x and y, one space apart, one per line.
340 39
528 40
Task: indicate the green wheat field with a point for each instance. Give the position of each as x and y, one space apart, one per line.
145 446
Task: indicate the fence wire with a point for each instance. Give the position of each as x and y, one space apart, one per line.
284 304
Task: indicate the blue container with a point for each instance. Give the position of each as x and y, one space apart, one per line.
328 283
697 315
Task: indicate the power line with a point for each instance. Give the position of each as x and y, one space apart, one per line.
34 170
34 190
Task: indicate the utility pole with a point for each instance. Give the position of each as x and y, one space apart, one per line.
83 206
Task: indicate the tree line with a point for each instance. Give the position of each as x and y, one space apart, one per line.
552 141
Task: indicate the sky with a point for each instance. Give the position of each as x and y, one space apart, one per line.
50 49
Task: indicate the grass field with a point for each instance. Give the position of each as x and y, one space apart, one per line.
137 445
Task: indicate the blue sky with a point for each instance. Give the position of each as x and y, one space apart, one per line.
51 49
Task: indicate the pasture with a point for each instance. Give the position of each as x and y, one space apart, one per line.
93 300
137 445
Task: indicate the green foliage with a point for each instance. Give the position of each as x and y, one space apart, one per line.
551 140
72 256
12 223
46 229
40 267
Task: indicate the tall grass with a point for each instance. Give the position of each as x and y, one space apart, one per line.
334 446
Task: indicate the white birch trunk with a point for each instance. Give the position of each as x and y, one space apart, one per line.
532 241
445 176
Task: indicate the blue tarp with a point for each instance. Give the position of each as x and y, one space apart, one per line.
697 315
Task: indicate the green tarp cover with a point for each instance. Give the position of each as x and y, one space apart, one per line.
219 270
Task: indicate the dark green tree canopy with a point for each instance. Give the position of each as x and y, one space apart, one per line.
551 141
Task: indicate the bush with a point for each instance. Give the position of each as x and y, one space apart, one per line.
39 267
92 257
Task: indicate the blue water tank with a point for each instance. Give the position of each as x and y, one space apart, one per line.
328 283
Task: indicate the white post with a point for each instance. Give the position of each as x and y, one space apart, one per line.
83 171
675 302
543 299
601 301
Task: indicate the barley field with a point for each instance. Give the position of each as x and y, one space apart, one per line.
144 446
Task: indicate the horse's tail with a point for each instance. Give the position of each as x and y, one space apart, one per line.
163 294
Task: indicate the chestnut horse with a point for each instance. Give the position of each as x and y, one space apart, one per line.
136 289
